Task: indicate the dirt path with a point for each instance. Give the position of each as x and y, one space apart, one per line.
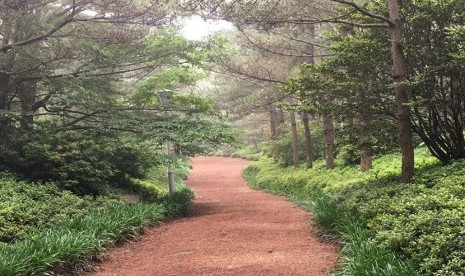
232 231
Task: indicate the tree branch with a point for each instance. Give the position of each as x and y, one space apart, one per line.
248 75
266 49
68 19
330 20
365 12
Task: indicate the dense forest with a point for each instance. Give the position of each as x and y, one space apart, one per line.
353 109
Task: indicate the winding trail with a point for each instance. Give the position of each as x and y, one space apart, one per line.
232 230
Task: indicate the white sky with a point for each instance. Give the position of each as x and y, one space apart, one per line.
195 28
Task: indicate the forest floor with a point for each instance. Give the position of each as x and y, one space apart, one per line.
232 230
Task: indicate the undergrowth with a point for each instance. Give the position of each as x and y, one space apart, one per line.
73 242
26 206
45 229
385 227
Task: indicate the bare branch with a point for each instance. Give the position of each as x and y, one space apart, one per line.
365 12
266 49
289 37
248 75
34 39
330 20
360 25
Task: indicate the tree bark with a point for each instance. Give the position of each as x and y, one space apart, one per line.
273 122
402 97
366 155
4 80
308 139
280 122
27 91
329 141
295 148
305 117
6 63
365 135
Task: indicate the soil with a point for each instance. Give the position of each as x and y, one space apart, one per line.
232 230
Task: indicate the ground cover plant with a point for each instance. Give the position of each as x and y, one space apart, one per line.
26 206
73 242
421 223
45 228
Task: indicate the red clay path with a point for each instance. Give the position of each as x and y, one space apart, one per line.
232 230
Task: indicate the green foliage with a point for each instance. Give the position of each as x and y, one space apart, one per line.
249 153
181 169
148 189
146 94
24 207
178 205
421 222
362 256
85 162
75 241
431 28
281 150
349 155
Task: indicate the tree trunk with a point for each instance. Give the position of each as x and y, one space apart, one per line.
280 122
6 64
308 139
4 80
402 97
295 148
366 156
273 122
305 117
365 135
329 141
26 91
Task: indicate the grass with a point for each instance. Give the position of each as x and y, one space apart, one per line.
26 206
362 256
359 255
385 227
73 242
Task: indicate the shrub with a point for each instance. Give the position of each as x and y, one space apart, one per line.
148 190
349 155
422 222
75 241
281 150
84 162
26 206
362 256
178 205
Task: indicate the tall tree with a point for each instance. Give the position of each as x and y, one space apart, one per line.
305 115
402 94
394 23
294 141
433 45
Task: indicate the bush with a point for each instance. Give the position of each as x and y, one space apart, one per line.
26 206
422 222
362 256
148 190
349 155
178 205
281 150
84 162
73 242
